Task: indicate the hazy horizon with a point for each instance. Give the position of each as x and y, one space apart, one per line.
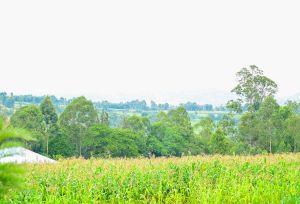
158 50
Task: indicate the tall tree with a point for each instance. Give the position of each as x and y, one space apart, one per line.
253 87
50 118
249 132
266 125
78 116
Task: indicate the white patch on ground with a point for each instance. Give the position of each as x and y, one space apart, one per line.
21 155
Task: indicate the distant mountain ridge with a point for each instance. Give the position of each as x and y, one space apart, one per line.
214 97
295 97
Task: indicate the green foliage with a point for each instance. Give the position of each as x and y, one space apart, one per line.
218 143
50 120
204 130
293 130
171 134
180 119
49 112
139 125
30 118
253 87
235 106
267 124
11 178
59 143
166 139
79 115
229 125
9 134
253 123
104 118
102 140
10 174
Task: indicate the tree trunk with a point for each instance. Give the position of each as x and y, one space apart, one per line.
270 138
80 133
47 144
270 145
80 149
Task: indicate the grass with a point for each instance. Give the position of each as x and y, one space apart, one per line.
201 179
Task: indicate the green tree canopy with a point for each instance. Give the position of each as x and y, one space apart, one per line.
180 119
218 143
267 123
253 87
102 140
138 124
293 130
30 118
50 119
204 130
49 112
166 140
78 116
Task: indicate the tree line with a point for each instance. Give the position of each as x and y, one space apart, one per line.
255 124
14 101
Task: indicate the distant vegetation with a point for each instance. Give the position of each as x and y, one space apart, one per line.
254 123
9 103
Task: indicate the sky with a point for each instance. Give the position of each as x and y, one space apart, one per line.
158 49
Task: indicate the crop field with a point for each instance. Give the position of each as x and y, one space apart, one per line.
199 179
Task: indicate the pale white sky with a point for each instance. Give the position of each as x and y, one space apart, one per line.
142 49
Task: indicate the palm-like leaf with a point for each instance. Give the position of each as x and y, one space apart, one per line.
11 174
14 134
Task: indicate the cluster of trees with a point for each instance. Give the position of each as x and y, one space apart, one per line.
256 124
142 105
11 100
192 106
264 124
81 131
270 129
135 104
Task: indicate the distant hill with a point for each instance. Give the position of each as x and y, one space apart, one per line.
214 97
295 97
